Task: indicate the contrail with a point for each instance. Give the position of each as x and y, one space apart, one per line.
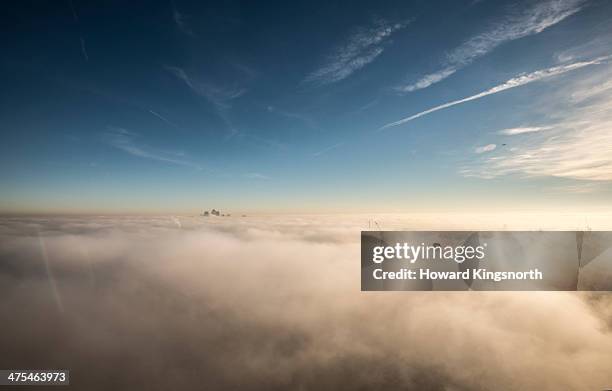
325 150
518 81
163 118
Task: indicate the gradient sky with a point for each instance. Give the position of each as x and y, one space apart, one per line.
306 106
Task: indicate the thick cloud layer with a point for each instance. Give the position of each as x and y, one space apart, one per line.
272 303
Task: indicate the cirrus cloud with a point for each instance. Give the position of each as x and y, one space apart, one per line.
362 47
531 20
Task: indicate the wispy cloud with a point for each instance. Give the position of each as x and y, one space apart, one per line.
485 148
428 80
124 140
259 141
595 47
580 188
220 97
532 20
518 81
363 47
580 151
257 175
521 130
306 119
579 147
601 89
164 119
84 49
326 150
75 15
180 20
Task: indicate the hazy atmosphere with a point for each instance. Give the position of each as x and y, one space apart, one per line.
274 303
177 106
302 123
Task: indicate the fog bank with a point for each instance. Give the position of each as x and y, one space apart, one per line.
272 303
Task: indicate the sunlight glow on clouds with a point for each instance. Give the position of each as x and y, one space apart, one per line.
579 147
521 130
273 303
485 148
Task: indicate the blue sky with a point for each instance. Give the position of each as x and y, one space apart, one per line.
306 106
